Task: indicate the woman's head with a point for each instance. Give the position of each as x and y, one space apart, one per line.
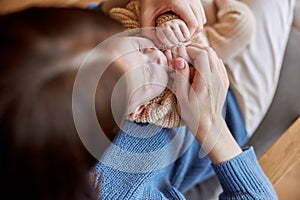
42 151
43 157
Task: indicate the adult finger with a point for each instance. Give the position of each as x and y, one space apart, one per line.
223 72
182 79
201 60
213 59
200 20
148 17
169 57
187 16
200 16
180 51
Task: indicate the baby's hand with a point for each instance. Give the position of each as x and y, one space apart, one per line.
172 32
175 52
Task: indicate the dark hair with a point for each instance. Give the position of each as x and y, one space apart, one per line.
42 155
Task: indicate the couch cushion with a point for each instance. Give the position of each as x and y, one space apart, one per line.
285 107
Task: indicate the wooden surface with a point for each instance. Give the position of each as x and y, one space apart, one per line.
281 163
288 186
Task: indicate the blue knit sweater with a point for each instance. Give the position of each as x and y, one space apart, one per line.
148 162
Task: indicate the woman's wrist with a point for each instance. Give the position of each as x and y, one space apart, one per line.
218 142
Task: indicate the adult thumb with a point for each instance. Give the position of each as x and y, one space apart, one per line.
182 78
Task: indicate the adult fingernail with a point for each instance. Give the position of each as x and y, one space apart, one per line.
179 63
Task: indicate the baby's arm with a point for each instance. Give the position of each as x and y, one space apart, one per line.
233 29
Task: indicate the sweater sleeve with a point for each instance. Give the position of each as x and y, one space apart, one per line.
141 161
243 178
233 29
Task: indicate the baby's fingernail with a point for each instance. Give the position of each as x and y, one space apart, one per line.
179 63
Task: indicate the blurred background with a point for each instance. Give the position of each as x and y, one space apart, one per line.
7 6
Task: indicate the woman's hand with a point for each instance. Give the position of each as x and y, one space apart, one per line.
190 11
201 102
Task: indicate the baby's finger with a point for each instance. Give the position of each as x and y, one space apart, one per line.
170 35
185 32
164 41
178 34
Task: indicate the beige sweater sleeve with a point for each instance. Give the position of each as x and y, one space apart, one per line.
233 29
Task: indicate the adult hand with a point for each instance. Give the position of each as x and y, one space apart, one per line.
201 102
190 11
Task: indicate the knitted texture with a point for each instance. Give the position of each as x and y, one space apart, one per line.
162 111
164 18
129 16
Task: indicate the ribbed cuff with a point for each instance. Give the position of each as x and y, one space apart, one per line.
243 177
